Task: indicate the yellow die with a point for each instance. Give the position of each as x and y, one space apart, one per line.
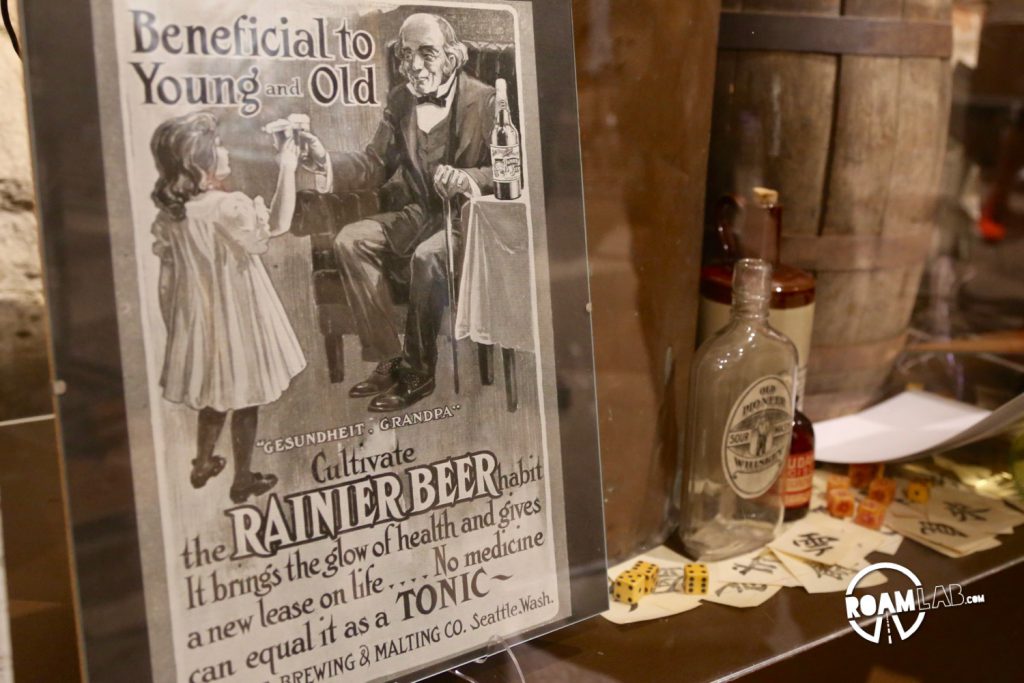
695 578
918 491
629 587
648 571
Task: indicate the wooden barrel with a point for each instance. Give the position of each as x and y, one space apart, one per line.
843 106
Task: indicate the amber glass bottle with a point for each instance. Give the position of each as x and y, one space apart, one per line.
799 471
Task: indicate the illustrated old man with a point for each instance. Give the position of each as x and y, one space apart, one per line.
435 132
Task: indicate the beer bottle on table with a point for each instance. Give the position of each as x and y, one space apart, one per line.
506 157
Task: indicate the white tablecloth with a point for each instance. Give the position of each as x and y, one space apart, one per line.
494 292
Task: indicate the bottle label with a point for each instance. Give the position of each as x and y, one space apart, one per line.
799 474
757 437
505 163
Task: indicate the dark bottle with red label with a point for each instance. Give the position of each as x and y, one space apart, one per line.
799 472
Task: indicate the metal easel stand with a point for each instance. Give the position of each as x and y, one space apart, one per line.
500 645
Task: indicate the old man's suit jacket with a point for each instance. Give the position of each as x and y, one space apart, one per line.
394 148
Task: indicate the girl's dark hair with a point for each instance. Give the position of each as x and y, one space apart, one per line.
185 150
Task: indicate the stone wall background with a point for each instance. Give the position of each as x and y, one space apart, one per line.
24 365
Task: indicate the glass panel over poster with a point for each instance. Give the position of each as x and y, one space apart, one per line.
346 269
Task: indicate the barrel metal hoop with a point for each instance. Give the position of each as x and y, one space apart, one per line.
837 35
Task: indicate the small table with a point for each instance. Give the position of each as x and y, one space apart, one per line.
495 293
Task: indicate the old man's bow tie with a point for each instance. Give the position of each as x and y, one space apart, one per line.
433 98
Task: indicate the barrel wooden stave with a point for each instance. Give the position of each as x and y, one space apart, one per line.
799 143
864 145
854 309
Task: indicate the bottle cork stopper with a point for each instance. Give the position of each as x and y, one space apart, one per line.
501 90
766 196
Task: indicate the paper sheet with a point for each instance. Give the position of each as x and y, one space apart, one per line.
907 426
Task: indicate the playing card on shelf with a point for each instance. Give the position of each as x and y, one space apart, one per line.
971 512
817 577
984 544
953 536
980 544
760 566
818 538
739 594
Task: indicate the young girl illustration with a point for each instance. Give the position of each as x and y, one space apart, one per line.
230 347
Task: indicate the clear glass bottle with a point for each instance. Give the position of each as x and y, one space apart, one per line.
506 161
740 426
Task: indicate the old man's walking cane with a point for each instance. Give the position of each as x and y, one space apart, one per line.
449 244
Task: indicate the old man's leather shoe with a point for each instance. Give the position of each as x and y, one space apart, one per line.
410 389
383 378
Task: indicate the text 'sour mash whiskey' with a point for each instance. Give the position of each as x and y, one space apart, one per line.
739 428
506 158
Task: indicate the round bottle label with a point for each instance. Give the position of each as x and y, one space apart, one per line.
757 437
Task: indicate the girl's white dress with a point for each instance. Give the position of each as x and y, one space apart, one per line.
229 342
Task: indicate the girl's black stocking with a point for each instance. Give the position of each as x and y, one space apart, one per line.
243 440
211 423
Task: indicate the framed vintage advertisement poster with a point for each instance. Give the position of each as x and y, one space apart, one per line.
318 283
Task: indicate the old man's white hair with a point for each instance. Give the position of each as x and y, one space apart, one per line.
453 47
